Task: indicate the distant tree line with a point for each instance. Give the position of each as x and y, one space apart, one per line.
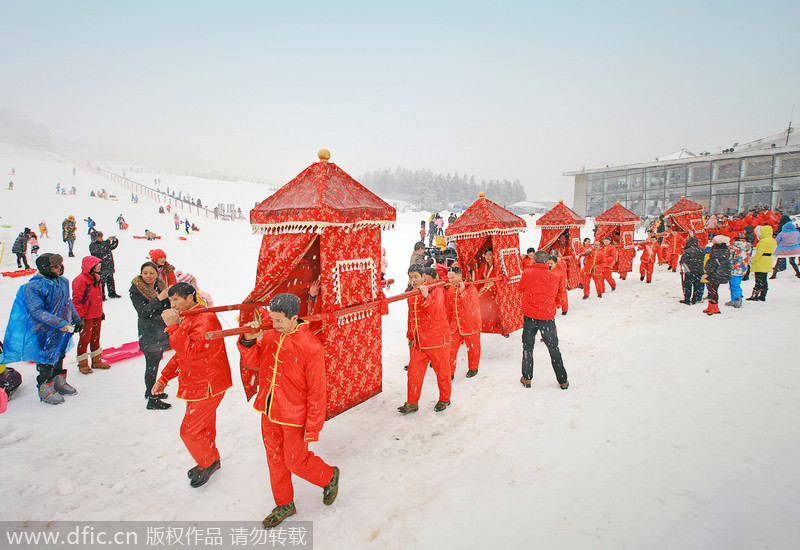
425 190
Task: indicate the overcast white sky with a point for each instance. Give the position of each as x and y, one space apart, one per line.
504 90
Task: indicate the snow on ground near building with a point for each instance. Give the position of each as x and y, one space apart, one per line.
678 430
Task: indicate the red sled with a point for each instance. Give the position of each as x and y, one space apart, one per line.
141 237
182 238
19 273
125 351
124 226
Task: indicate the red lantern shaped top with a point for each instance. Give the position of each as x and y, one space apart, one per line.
484 217
322 195
616 215
560 216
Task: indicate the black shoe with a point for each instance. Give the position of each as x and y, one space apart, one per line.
613 288
599 295
585 296
648 282
71 255
330 491
192 471
471 373
441 405
202 475
157 405
405 368
525 383
114 296
687 302
565 385
156 396
641 278
452 377
563 313
505 336
104 298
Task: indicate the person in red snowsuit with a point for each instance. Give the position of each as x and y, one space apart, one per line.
608 252
204 375
292 400
674 249
647 260
429 340
464 315
593 271
487 294
560 269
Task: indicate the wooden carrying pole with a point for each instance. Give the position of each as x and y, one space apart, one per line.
339 312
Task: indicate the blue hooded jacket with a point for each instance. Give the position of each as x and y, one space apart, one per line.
42 307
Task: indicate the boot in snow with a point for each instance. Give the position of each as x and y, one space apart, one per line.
279 513
712 309
737 303
762 297
330 491
83 364
202 475
154 403
61 386
97 360
49 395
754 296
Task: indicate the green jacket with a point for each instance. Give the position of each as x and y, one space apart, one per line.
68 230
762 261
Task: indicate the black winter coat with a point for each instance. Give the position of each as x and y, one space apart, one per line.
152 337
102 250
20 245
718 266
693 257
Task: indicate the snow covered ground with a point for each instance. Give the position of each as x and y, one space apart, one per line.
678 430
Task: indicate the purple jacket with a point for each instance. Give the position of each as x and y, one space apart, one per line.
788 241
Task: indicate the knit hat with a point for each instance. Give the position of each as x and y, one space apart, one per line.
156 254
183 277
721 239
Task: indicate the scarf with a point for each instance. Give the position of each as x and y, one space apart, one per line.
146 290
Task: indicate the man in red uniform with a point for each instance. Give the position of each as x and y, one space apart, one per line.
593 271
648 257
527 259
464 316
292 400
204 375
675 248
487 295
539 287
560 269
609 254
429 340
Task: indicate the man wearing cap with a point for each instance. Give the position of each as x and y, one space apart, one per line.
103 250
40 328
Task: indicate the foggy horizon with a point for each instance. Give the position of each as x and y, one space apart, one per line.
511 92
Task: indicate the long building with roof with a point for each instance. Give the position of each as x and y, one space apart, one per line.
765 172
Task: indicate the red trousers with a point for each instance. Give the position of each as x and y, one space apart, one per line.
598 283
608 277
561 300
440 357
287 454
673 260
90 335
661 254
646 270
199 429
473 342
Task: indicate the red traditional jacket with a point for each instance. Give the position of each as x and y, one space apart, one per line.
675 243
608 255
291 378
592 262
486 271
201 365
527 262
539 287
427 320
560 269
463 310
87 295
648 251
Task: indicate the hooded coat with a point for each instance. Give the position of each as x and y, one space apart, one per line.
788 241
762 260
718 266
68 229
87 295
41 308
693 256
740 257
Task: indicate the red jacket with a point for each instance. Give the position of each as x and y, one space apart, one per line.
560 269
592 262
608 255
87 294
485 271
527 262
539 287
201 365
463 310
648 251
427 320
292 387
